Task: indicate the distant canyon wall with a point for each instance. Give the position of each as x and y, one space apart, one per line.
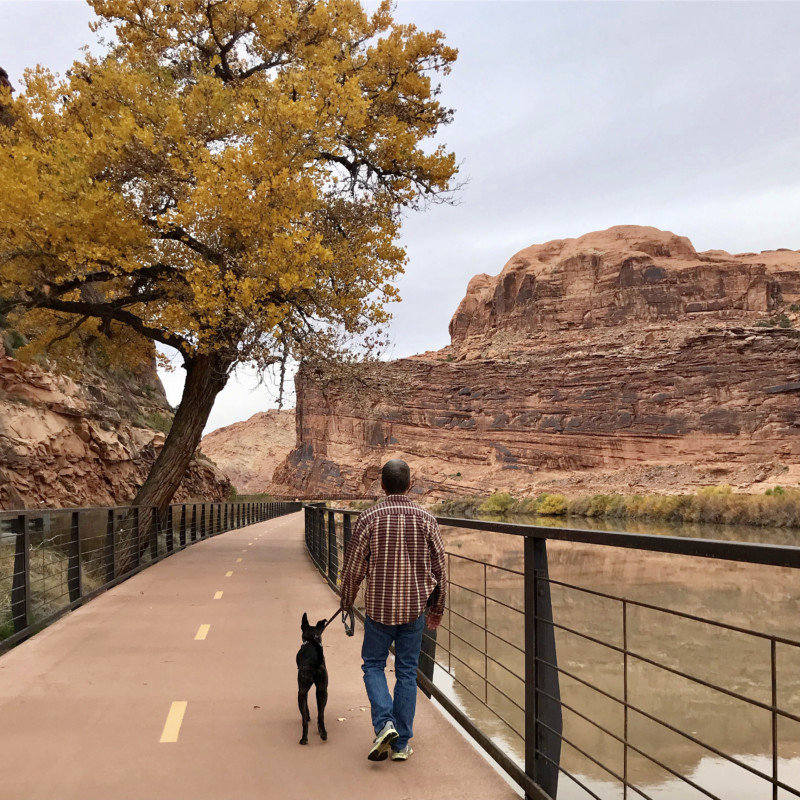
619 361
248 452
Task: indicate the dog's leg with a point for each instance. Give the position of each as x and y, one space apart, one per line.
302 701
322 699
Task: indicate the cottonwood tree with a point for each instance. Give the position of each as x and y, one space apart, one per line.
227 180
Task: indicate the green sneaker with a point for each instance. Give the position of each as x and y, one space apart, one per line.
384 740
402 754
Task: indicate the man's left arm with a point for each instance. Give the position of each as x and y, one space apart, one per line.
439 569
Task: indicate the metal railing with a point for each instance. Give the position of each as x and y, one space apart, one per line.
54 560
495 668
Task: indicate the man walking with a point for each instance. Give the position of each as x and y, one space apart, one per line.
397 545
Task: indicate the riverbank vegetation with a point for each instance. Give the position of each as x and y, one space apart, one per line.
777 507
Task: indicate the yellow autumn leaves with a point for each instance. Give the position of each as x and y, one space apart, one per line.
228 177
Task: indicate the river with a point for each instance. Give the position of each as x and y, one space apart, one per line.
755 597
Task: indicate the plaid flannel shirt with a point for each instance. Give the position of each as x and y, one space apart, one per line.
398 547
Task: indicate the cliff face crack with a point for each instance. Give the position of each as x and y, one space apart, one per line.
784 387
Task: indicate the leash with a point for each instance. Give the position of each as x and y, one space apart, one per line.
349 628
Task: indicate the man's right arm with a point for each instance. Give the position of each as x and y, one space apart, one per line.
355 564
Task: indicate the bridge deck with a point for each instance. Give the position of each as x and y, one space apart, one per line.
83 704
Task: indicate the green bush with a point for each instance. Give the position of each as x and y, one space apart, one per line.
778 321
158 421
554 505
458 507
498 503
12 341
598 505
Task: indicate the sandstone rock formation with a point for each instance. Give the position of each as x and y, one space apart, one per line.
248 452
68 444
619 361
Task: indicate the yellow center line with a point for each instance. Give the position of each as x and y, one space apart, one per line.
238 560
202 632
172 727
218 596
229 573
250 545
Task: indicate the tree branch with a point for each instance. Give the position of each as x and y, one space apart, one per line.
152 271
111 312
183 236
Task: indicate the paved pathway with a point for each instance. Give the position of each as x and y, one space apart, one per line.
85 703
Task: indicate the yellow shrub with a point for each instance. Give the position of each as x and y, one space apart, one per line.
552 505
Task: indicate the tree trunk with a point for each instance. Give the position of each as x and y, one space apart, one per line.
206 376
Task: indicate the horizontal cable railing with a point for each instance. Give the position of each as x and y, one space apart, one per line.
53 560
620 691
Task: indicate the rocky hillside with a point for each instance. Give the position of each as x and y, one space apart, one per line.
69 444
620 361
248 452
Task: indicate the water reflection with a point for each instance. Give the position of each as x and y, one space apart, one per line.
489 663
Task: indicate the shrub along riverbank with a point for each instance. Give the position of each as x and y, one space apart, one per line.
778 507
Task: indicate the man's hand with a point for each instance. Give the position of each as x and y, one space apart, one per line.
433 621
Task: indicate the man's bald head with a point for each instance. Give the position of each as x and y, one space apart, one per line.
395 476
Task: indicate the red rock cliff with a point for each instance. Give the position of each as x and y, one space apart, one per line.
619 361
67 443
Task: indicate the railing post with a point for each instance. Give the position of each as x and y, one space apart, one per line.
219 517
427 657
202 520
182 530
320 533
193 528
21 580
170 530
347 530
74 565
333 554
111 547
134 541
314 524
542 714
154 534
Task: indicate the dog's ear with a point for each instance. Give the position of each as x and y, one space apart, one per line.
304 624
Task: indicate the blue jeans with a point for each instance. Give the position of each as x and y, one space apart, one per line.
407 640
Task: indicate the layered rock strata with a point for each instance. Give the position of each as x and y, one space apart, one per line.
248 452
69 444
620 361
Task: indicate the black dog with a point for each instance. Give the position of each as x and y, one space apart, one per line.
311 670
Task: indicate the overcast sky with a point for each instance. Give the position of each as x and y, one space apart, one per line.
570 117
